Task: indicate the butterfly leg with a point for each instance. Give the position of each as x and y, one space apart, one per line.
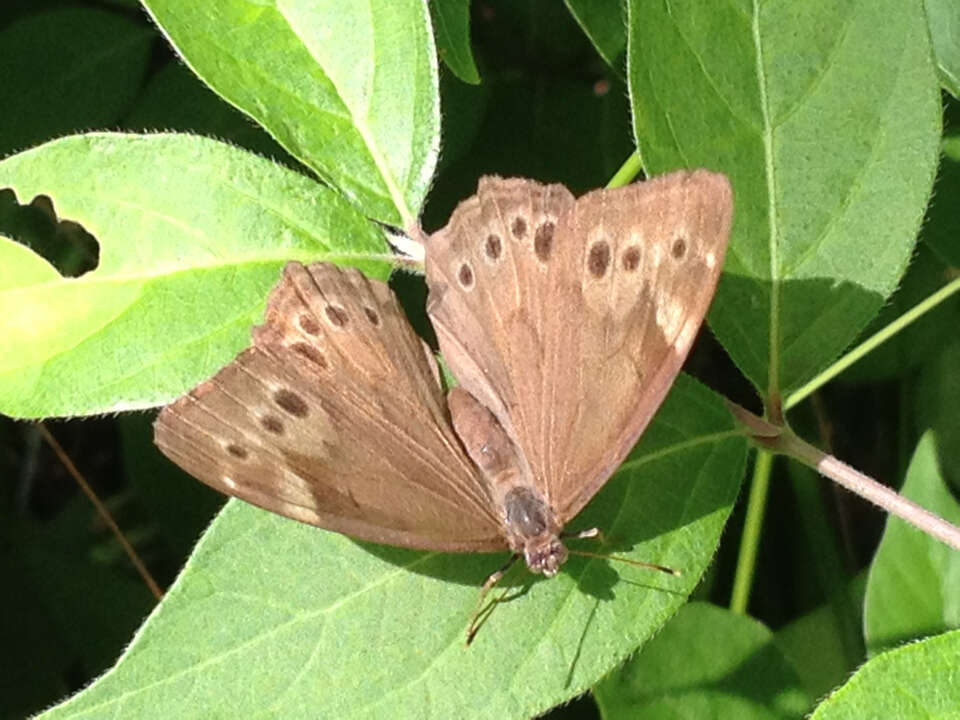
478 616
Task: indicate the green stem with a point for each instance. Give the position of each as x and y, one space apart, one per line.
870 343
750 538
632 167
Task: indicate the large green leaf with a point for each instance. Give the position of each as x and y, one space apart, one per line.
921 681
350 89
272 618
192 235
706 662
826 116
912 590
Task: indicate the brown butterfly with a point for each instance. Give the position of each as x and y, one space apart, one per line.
565 322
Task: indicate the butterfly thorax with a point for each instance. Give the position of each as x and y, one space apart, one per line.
533 531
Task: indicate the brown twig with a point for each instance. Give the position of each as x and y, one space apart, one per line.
781 439
101 510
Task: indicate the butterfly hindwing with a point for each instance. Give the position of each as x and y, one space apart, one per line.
335 417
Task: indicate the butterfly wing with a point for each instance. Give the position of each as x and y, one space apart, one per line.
335 417
569 319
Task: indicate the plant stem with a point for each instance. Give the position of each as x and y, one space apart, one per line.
631 167
869 489
750 538
870 343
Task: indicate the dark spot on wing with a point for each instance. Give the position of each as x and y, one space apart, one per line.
519 228
465 275
272 424
493 247
237 451
291 402
337 315
309 325
543 240
599 258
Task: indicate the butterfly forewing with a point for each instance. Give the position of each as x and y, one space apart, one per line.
573 331
335 417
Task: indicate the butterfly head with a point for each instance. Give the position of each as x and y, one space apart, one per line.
545 554
532 530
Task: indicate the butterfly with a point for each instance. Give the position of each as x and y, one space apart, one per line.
565 322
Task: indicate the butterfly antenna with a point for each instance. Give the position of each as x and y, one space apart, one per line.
628 561
481 612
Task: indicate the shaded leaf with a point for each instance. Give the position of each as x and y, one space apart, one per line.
922 340
913 581
451 25
941 231
604 22
920 680
92 65
706 662
937 400
815 645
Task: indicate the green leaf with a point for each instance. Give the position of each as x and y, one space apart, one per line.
913 581
923 339
193 234
826 116
815 642
941 231
92 65
603 21
451 23
920 680
275 618
937 400
944 21
706 662
349 89
176 100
